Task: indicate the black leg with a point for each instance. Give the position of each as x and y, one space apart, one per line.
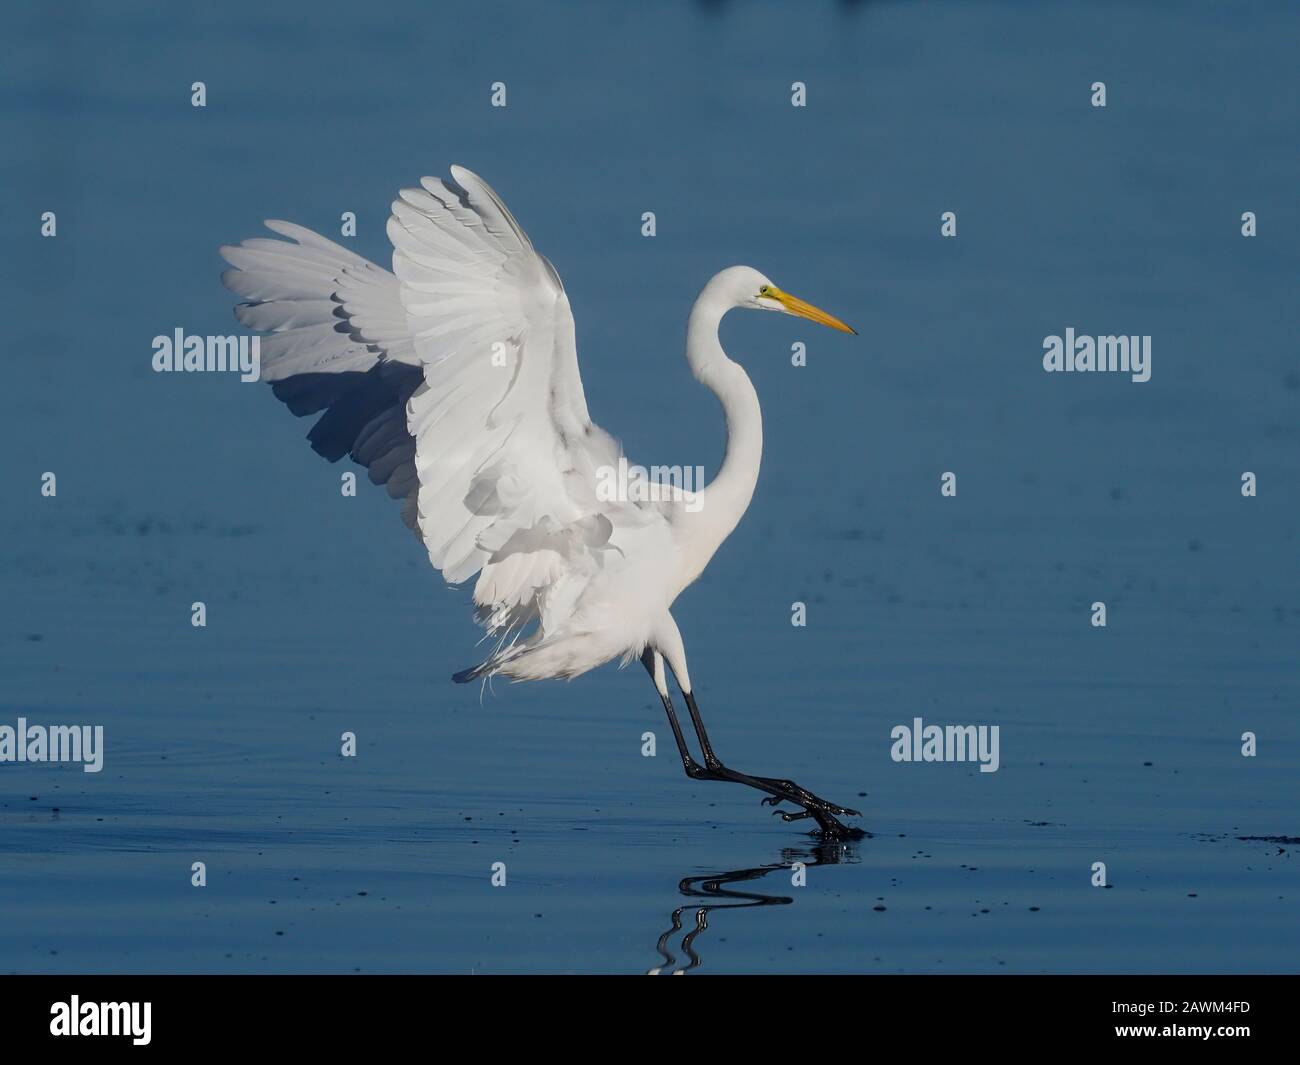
688 763
778 790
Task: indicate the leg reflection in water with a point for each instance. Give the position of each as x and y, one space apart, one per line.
717 886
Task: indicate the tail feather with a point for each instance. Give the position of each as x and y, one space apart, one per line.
562 657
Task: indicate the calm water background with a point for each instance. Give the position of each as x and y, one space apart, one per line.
1119 745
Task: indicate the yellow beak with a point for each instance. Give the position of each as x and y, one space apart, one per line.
806 310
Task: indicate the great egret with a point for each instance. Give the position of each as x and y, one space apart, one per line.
454 381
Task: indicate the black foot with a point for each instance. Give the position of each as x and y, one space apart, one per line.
828 826
803 797
779 790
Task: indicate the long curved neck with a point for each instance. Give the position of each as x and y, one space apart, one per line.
726 496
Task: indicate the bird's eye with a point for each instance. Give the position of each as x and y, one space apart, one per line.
766 290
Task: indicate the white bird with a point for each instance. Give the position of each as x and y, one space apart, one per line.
454 380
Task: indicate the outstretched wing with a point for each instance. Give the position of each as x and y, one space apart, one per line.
455 381
505 450
338 347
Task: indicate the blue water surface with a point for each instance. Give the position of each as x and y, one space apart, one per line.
1120 745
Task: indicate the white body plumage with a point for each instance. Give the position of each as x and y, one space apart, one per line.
454 379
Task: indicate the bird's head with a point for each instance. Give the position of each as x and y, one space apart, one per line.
747 288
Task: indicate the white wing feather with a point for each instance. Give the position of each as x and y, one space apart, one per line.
454 380
506 452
